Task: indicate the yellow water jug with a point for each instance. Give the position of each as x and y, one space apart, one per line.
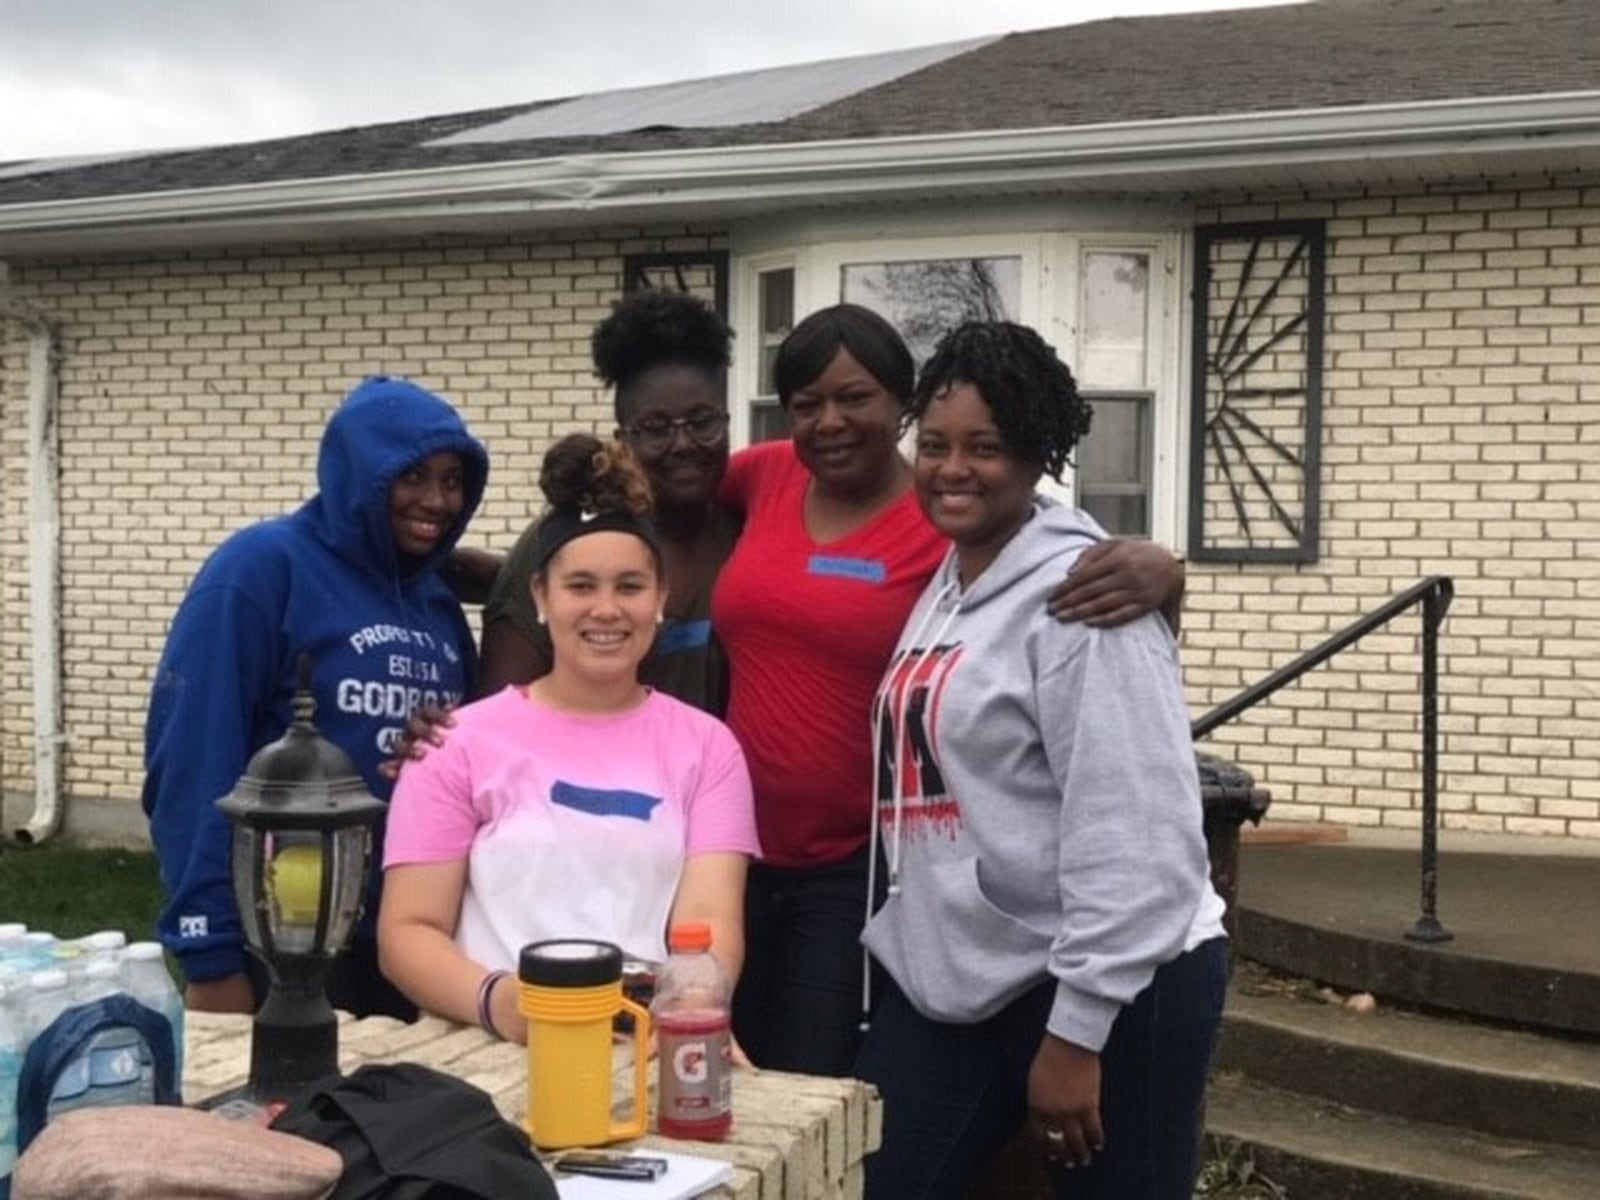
570 990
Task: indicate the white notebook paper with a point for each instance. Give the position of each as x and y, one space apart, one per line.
687 1175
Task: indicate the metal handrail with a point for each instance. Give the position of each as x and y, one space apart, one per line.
1434 594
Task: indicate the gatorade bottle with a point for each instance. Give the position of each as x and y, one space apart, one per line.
690 1009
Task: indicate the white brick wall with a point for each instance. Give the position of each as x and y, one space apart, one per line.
1462 386
1462 437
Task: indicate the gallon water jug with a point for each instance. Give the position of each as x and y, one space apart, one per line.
571 992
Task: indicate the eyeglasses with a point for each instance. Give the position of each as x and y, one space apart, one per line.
655 434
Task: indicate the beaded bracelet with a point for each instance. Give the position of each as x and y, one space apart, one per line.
485 1001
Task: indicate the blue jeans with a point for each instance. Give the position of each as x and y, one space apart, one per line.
954 1094
798 1003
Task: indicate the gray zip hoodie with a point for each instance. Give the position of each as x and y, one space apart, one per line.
1037 797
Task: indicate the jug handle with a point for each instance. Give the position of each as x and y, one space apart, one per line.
640 1122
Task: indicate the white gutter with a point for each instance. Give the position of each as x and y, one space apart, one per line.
705 179
44 562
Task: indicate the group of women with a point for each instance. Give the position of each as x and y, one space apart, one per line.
923 639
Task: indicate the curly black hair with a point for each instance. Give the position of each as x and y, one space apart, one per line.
582 472
652 328
1030 391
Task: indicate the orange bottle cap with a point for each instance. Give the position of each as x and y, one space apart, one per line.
691 935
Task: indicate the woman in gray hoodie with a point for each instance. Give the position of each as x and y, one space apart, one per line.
1054 945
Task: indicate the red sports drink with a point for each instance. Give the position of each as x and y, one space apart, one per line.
695 1095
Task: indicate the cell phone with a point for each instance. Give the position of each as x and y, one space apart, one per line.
610 1164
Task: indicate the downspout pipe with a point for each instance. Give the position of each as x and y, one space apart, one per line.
44 561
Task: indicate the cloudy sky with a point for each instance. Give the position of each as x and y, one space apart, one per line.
93 76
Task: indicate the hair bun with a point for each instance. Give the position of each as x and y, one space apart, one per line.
651 326
581 472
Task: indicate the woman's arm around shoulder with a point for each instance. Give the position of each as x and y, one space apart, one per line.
1116 581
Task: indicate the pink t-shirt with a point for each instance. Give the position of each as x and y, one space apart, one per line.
573 825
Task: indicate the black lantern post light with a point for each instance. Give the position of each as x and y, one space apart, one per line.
303 826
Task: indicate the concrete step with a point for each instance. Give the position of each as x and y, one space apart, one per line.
1318 1150
1502 1082
1527 929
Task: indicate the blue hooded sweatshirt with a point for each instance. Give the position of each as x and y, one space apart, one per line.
327 581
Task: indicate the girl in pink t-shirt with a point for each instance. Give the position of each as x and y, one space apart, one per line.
582 805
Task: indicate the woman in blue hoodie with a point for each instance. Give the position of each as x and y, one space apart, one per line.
1053 942
352 580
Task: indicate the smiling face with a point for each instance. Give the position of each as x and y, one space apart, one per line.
845 425
601 595
684 461
974 490
425 502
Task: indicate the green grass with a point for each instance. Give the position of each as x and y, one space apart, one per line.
71 892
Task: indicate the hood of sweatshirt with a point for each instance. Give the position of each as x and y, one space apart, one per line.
382 427
1053 535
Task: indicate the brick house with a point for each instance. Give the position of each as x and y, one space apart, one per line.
1330 271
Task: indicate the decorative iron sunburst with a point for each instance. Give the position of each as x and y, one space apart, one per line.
1257 416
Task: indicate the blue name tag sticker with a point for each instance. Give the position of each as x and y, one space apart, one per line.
867 570
604 802
675 637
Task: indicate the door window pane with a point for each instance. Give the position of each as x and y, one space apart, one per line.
926 298
1113 464
774 319
1116 305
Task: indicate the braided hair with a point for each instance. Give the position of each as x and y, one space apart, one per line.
1029 390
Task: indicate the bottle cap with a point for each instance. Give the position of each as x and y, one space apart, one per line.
691 935
48 980
143 951
104 941
101 968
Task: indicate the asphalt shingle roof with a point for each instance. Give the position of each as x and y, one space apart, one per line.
1327 53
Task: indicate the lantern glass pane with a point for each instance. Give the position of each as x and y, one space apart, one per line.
350 848
246 855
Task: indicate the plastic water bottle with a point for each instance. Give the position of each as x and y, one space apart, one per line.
145 978
106 944
49 996
690 1011
114 1057
34 949
11 1047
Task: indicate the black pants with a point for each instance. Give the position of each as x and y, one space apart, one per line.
954 1094
798 1004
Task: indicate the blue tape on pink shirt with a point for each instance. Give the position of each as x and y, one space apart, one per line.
604 802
